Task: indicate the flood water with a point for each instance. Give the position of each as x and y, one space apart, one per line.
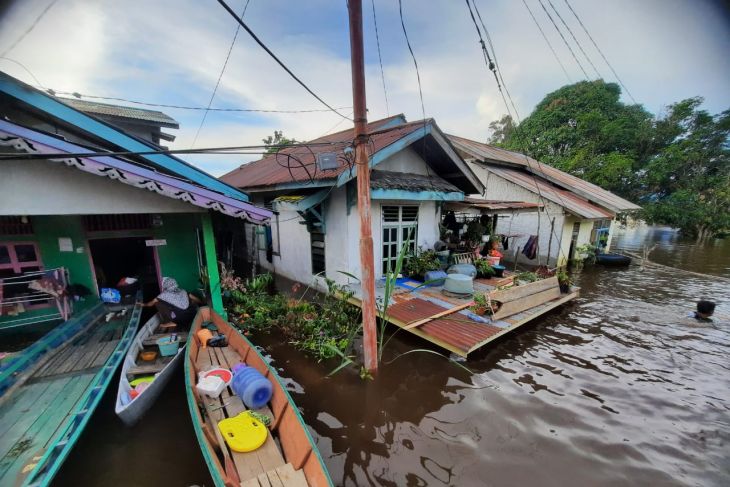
616 388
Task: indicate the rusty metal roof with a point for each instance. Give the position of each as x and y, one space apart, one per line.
297 166
486 153
493 205
567 199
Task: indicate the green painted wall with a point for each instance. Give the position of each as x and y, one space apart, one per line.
177 259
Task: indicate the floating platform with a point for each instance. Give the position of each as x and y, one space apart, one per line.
446 321
51 389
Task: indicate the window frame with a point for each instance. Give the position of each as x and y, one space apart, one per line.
15 264
387 260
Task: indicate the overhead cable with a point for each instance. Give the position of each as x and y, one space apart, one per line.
273 56
547 41
600 51
29 29
184 107
565 41
380 59
570 31
220 76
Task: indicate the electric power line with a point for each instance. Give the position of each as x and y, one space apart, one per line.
564 39
599 51
494 53
570 31
415 63
380 59
29 29
184 107
270 53
220 76
547 41
25 68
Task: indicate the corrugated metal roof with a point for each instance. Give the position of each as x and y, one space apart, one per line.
493 205
410 182
567 199
299 164
97 108
487 153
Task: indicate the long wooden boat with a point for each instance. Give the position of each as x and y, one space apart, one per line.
289 456
52 398
130 410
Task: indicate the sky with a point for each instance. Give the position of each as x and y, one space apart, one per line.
172 52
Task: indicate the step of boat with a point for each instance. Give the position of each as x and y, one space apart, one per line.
152 367
284 476
249 465
151 340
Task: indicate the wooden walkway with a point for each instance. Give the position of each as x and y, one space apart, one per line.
54 393
462 331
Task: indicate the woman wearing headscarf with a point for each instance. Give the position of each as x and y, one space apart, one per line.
174 305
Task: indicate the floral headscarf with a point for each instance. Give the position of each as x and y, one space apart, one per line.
172 294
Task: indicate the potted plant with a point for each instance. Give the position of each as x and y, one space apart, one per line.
525 278
484 270
564 281
483 305
473 235
422 262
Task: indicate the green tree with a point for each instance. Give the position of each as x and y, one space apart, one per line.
501 130
687 182
276 141
586 130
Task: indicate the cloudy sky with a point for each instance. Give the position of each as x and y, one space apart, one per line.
172 51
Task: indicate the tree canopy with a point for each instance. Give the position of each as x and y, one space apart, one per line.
276 141
676 166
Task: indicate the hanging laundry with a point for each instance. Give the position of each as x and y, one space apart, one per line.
530 250
505 242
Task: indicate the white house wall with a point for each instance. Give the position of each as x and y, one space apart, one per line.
406 161
50 188
523 224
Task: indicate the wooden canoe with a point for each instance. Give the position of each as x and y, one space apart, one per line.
131 410
289 456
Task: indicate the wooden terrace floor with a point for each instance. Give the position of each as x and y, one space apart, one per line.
461 332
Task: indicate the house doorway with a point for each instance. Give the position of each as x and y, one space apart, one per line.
116 258
573 241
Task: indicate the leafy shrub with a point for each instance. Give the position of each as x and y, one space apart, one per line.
425 260
484 270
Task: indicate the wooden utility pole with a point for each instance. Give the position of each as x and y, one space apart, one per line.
362 162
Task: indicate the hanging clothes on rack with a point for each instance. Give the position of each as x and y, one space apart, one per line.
530 249
505 242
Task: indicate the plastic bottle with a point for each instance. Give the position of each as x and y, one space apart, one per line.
253 388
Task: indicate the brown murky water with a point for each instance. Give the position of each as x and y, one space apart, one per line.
617 388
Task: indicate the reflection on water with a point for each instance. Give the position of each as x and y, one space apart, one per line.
711 257
616 388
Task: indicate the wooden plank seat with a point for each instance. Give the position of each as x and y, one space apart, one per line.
149 368
151 341
250 465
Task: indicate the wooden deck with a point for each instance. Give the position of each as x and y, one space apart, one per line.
53 395
458 331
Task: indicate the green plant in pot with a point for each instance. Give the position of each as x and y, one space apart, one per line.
473 235
564 281
422 262
484 270
483 305
525 278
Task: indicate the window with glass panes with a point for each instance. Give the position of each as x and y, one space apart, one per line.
400 225
15 259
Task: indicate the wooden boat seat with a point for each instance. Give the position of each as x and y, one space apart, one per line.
266 464
150 368
285 475
151 341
